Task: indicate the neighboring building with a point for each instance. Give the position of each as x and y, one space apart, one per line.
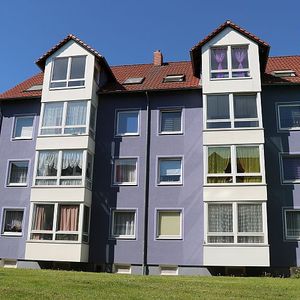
165 168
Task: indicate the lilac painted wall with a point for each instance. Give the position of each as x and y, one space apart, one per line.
188 196
282 253
16 197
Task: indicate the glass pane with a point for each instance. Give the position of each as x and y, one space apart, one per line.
220 239
169 224
220 218
128 122
23 127
18 172
248 179
70 182
51 131
76 113
219 160
43 217
169 170
247 159
293 224
123 223
250 218
289 116
92 120
71 163
170 121
75 130
291 167
86 220
47 163
60 66
251 239
239 57
58 84
52 114
244 124
212 125
67 219
45 181
66 237
220 75
219 58
245 106
218 107
125 171
77 67
241 74
89 166
13 221
212 179
41 236
76 83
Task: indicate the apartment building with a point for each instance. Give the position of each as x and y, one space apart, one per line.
186 167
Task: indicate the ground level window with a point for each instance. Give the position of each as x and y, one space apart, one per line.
292 224
169 224
12 223
123 224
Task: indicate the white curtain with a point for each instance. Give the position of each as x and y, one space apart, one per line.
76 113
13 221
72 159
18 172
125 170
293 223
47 164
53 114
123 223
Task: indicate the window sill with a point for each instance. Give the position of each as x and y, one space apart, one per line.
233 129
171 133
231 78
54 242
62 135
124 184
177 238
67 88
22 138
12 234
242 245
234 184
127 135
16 185
59 186
131 238
170 184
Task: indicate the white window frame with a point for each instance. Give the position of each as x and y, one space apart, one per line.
122 111
63 125
235 232
286 236
58 177
67 80
164 158
234 173
168 270
281 156
278 106
170 110
4 211
15 126
54 230
231 118
229 69
168 237
122 269
123 237
116 159
8 184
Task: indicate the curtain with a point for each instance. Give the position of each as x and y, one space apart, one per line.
72 159
250 218
13 221
220 218
171 121
43 218
76 113
217 107
124 223
239 54
170 170
293 223
68 219
52 114
245 106
219 160
47 164
219 56
18 172
169 223
125 171
248 159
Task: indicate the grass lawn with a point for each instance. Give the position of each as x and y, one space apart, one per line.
48 284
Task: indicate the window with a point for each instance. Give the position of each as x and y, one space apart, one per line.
35 87
234 164
170 171
127 123
169 223
86 224
284 73
175 78
229 62
290 168
125 171
89 170
171 121
68 117
60 167
93 121
230 223
168 270
12 223
17 173
292 224
123 224
64 229
23 128
122 269
289 116
231 111
134 80
68 72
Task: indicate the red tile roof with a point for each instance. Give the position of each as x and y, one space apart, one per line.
154 77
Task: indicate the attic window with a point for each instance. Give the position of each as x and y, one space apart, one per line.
36 87
284 73
134 80
175 78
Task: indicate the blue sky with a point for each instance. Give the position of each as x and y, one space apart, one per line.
128 31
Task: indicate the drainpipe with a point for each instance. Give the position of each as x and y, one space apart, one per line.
147 170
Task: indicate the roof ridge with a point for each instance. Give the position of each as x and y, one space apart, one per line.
277 56
146 64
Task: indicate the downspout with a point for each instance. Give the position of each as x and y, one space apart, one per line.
147 171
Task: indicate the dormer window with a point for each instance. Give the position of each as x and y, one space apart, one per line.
68 72
229 62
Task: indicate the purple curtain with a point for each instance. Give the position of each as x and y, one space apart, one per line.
219 55
240 55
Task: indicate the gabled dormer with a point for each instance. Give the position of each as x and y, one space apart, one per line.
230 59
74 68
